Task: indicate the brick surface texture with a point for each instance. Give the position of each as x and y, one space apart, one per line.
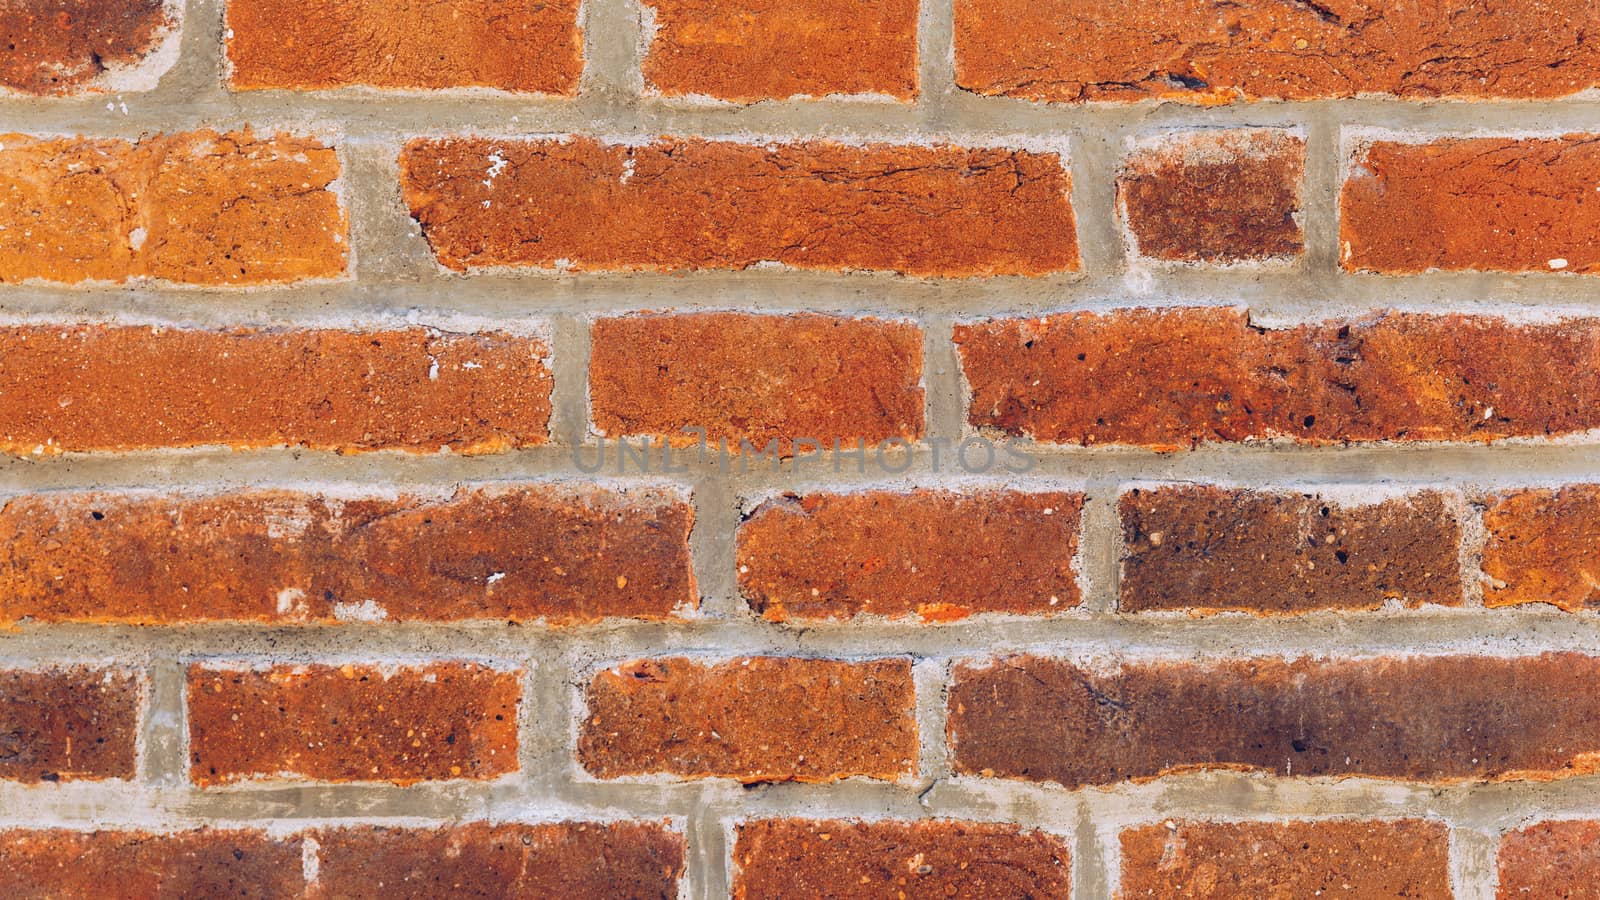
696 449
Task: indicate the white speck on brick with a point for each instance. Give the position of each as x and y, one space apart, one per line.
365 611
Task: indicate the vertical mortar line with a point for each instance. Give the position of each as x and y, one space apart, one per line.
161 738
941 377
1472 862
1323 178
932 680
710 851
1094 861
717 502
543 710
1100 546
569 394
936 76
612 33
386 244
1473 505
1094 154
197 77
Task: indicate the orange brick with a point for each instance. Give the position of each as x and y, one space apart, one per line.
795 858
141 865
1168 379
1216 51
1544 547
1551 859
757 378
394 723
749 50
1483 204
757 720
195 208
577 204
100 387
936 554
513 552
1395 858
68 724
512 45
78 46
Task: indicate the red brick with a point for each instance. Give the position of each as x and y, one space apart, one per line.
1214 196
1483 204
69 724
749 50
1543 546
195 208
758 719
58 47
936 554
1218 51
1331 858
395 723
521 45
1429 719
203 862
569 860
577 204
1206 549
101 387
1176 378
759 378
1551 859
781 858
565 554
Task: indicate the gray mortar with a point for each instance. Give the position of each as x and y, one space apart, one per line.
396 278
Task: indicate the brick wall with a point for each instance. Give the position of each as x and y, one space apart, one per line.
793 448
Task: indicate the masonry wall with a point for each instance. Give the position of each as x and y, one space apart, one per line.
694 448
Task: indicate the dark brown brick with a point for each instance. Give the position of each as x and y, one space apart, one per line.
1543 546
395 723
139 865
1214 196
1175 378
1432 719
757 378
1207 549
101 387
1219 51
1551 859
568 860
69 724
76 46
577 204
936 554
1331 858
565 554
756 720
797 858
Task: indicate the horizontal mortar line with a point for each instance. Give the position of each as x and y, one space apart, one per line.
366 114
1427 631
1267 464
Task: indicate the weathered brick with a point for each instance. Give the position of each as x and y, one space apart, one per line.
760 378
750 50
570 860
1330 858
757 719
1206 549
565 554
520 45
68 724
1214 196
576 204
1436 719
1551 859
395 723
1543 546
1218 51
100 387
196 208
1176 378
1484 204
784 858
57 47
936 554
203 862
